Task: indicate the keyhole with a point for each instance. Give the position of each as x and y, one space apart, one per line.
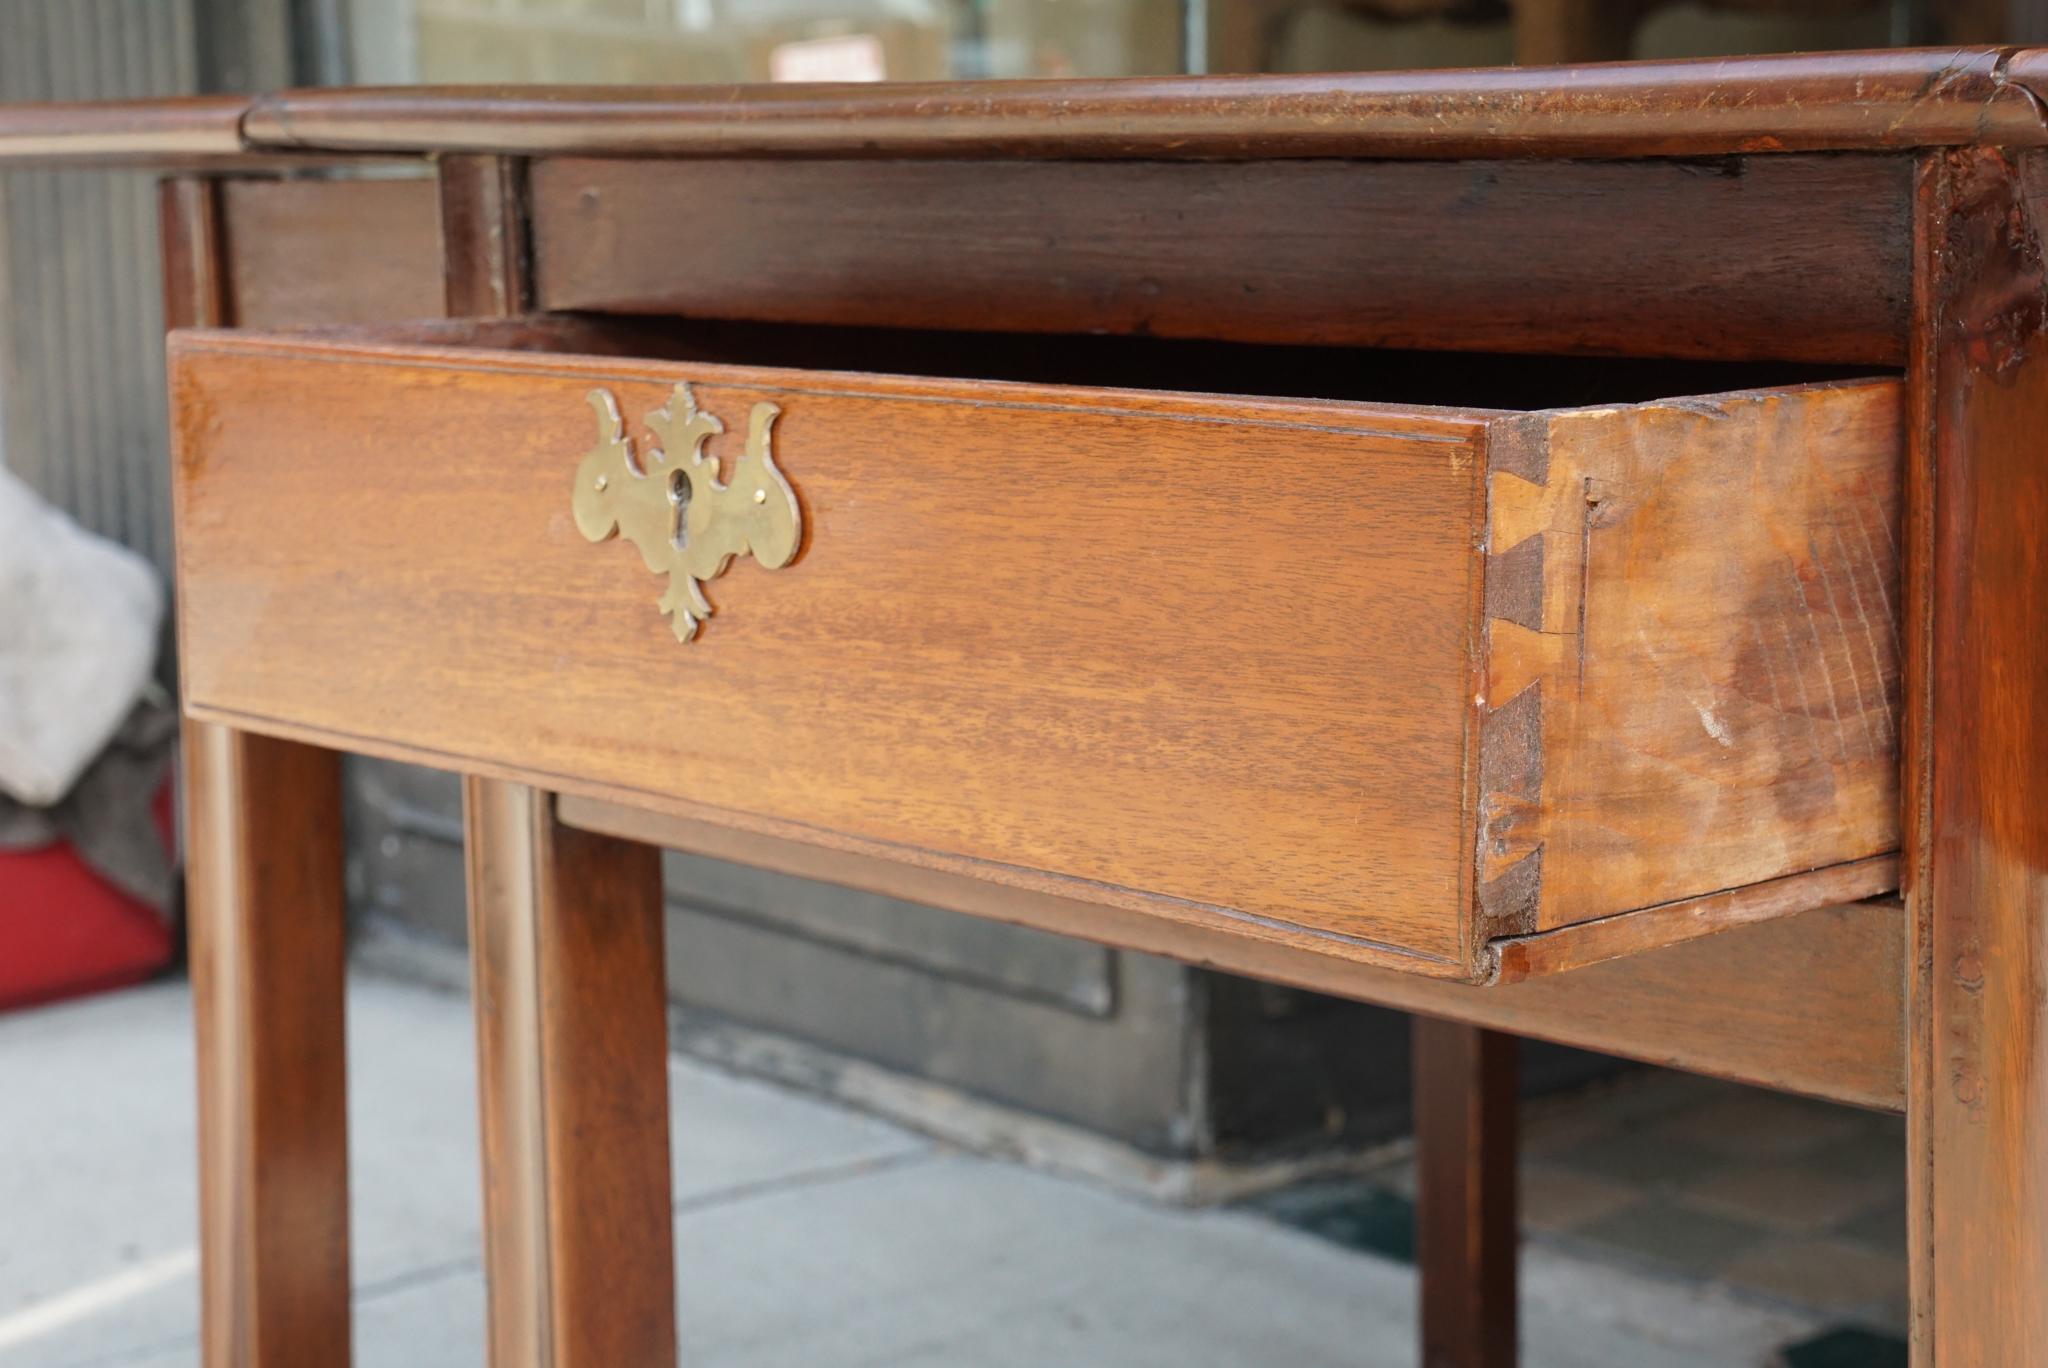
679 498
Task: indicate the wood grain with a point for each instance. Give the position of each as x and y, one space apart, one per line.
190 239
1800 102
1693 651
1798 258
1810 1003
268 947
1804 102
177 130
267 944
1629 933
572 1034
1033 692
1466 1223
1145 678
330 251
498 834
486 264
1978 767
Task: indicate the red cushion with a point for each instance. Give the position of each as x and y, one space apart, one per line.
64 930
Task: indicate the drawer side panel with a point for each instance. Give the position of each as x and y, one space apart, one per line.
1693 650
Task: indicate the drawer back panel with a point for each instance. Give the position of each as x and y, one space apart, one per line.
1787 257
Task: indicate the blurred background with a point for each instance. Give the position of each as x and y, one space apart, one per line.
1171 1082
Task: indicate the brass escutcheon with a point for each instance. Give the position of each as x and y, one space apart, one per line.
686 522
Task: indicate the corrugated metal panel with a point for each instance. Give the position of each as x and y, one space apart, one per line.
81 350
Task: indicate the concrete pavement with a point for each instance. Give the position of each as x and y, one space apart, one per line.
808 1236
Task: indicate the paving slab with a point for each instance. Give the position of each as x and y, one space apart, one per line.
808 1236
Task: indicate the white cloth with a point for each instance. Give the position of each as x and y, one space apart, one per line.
78 635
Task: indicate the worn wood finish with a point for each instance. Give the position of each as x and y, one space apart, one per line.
1847 101
572 1030
1806 255
1692 651
268 944
1934 197
1806 102
1803 102
1810 1003
1466 1227
923 728
304 252
1978 776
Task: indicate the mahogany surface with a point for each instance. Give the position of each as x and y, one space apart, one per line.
1812 1002
1261 654
929 674
1797 258
1949 284
267 928
341 251
268 948
181 130
1466 1097
1843 101
1711 107
1977 765
572 1074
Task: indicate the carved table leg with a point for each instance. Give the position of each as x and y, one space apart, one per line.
572 1054
1465 1218
268 946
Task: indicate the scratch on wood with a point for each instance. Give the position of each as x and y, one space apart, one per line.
1875 658
1827 585
1763 658
1590 512
1805 698
1688 699
1891 562
1820 654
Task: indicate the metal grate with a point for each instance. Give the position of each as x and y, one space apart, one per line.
81 326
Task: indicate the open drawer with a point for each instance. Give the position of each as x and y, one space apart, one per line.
1469 692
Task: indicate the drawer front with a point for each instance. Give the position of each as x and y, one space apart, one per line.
1212 657
1464 693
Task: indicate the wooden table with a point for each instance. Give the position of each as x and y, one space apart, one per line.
1670 565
